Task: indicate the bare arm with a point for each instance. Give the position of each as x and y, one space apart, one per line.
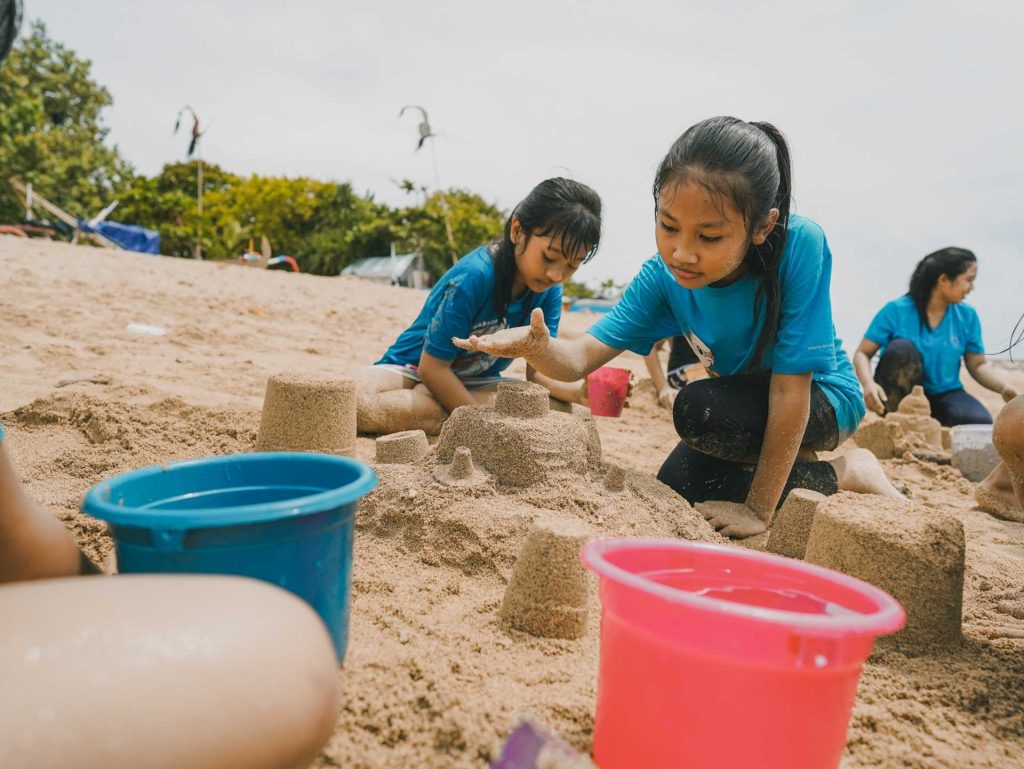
666 392
444 385
985 374
789 406
568 392
874 395
566 360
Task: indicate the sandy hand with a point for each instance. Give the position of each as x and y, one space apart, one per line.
667 397
1009 393
519 342
731 519
874 398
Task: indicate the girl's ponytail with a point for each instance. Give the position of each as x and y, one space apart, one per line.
766 258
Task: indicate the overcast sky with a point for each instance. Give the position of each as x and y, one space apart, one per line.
905 119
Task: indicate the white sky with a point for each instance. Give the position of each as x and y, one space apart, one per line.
905 119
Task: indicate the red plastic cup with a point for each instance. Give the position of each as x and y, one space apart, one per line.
608 388
717 657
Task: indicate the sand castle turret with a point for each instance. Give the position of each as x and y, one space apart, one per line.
520 440
913 553
915 416
401 448
548 593
461 471
306 413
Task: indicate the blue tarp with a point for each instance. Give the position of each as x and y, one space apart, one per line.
128 236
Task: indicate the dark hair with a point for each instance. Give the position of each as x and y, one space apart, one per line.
10 20
555 208
951 262
748 165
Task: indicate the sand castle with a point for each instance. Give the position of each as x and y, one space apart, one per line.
910 428
513 492
914 553
304 413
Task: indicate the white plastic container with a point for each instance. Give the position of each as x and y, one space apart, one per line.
973 453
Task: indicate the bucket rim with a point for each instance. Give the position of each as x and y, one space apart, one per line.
888 617
97 501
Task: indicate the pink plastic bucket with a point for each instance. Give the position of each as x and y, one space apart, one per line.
608 388
716 657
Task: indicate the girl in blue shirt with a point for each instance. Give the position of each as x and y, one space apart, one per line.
748 286
423 376
923 336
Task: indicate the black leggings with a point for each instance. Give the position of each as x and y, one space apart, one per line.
901 367
721 422
679 357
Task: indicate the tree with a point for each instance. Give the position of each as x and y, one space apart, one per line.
474 221
51 133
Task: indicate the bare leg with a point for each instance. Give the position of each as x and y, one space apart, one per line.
1002 492
374 412
33 544
162 672
859 471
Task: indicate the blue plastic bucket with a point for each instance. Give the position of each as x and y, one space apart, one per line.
285 518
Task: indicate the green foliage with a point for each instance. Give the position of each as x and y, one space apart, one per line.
577 290
50 129
51 135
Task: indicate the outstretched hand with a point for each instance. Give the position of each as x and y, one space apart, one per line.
519 342
731 519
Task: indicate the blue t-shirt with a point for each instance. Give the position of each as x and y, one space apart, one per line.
958 332
722 328
462 303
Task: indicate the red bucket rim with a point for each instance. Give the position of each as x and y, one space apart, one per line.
888 617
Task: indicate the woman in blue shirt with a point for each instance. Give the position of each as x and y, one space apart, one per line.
748 286
923 336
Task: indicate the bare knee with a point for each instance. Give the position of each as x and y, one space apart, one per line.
1008 432
197 671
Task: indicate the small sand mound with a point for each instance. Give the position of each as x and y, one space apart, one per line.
71 440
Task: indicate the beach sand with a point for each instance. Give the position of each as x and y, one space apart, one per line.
433 677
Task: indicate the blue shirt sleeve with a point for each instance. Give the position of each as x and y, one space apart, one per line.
974 340
883 327
643 315
454 315
805 341
1 431
552 306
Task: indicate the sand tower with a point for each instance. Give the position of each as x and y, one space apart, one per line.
401 448
520 440
913 553
792 524
548 594
305 413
